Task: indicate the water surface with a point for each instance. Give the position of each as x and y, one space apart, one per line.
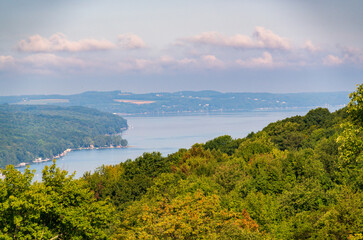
166 134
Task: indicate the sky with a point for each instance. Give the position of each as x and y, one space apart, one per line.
280 46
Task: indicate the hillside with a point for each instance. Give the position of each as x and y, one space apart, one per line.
30 132
187 101
299 178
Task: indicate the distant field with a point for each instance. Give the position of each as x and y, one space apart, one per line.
43 101
138 102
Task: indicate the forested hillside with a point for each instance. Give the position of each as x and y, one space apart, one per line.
29 132
299 178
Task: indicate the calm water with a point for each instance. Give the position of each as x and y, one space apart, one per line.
166 134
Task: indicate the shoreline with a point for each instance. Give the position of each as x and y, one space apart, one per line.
64 153
223 111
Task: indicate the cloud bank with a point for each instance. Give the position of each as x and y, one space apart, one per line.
59 42
261 38
332 60
6 61
130 41
265 61
263 49
48 59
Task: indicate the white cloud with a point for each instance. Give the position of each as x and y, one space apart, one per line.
267 39
6 61
311 47
171 62
167 63
59 42
143 63
44 63
187 61
140 65
130 41
47 59
166 59
331 60
215 38
353 55
211 61
266 61
262 38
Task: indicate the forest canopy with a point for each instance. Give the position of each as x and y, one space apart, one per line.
30 132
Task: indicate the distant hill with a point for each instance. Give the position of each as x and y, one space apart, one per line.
186 101
28 132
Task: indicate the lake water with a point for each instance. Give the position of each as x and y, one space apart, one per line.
166 134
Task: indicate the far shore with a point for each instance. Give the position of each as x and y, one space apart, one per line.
65 152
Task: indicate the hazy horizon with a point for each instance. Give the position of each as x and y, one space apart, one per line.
67 47
151 92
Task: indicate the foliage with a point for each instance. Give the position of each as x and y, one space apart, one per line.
30 132
127 181
355 106
193 216
223 143
59 207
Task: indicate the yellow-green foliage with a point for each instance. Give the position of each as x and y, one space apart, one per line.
59 207
189 216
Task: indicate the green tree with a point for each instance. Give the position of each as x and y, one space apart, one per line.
59 207
194 216
351 142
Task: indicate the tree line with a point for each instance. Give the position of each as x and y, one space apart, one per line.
30 132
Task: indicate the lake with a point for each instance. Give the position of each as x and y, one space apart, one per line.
166 134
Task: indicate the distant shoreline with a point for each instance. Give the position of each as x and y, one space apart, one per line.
331 108
64 153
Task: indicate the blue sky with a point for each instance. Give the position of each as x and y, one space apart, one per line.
68 46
